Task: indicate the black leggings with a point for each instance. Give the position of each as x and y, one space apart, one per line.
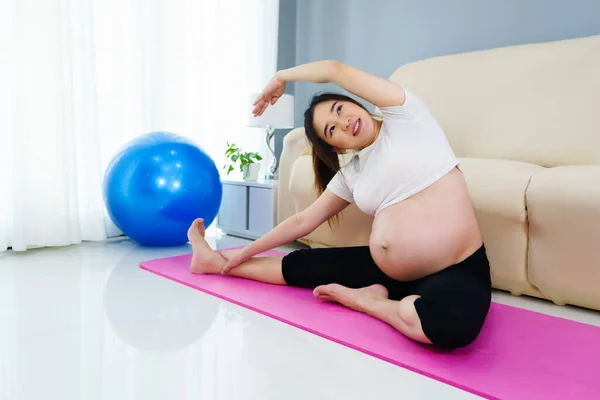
454 302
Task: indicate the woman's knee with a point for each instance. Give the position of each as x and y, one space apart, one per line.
410 323
448 328
407 312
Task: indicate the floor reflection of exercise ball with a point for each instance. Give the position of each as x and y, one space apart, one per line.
157 184
153 314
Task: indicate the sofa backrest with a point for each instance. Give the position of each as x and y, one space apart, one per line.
537 103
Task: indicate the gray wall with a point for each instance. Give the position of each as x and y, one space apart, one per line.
381 35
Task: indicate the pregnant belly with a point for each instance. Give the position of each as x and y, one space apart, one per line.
430 231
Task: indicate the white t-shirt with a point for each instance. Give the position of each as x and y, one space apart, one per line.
410 154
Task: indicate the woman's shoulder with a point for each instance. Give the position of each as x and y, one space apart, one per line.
412 107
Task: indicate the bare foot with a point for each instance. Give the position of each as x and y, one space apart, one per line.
204 259
351 298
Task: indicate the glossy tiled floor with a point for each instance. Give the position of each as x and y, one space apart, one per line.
84 322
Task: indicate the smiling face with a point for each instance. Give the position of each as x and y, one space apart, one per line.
344 125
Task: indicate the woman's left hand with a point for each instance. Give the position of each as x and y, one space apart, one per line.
269 96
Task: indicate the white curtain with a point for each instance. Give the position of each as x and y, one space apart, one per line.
79 78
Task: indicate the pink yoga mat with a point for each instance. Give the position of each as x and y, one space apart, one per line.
519 354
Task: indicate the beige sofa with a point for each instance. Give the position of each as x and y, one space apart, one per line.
525 123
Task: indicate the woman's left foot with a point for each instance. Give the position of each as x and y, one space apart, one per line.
351 298
204 259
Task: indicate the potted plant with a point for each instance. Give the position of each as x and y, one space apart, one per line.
248 162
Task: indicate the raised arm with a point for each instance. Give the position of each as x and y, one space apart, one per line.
376 90
293 228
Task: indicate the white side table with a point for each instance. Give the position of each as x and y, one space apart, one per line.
248 209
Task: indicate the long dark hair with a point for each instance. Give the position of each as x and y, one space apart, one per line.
325 160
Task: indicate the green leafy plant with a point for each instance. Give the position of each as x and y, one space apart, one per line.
236 155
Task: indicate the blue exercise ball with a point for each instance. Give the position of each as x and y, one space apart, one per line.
157 184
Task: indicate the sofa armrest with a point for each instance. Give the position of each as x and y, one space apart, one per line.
295 144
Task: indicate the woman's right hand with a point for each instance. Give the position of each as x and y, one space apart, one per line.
234 258
269 96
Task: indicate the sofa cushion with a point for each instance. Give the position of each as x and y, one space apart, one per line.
497 189
564 249
499 185
353 227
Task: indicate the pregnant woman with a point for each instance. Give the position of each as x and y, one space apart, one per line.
425 271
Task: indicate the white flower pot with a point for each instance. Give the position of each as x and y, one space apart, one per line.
250 172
